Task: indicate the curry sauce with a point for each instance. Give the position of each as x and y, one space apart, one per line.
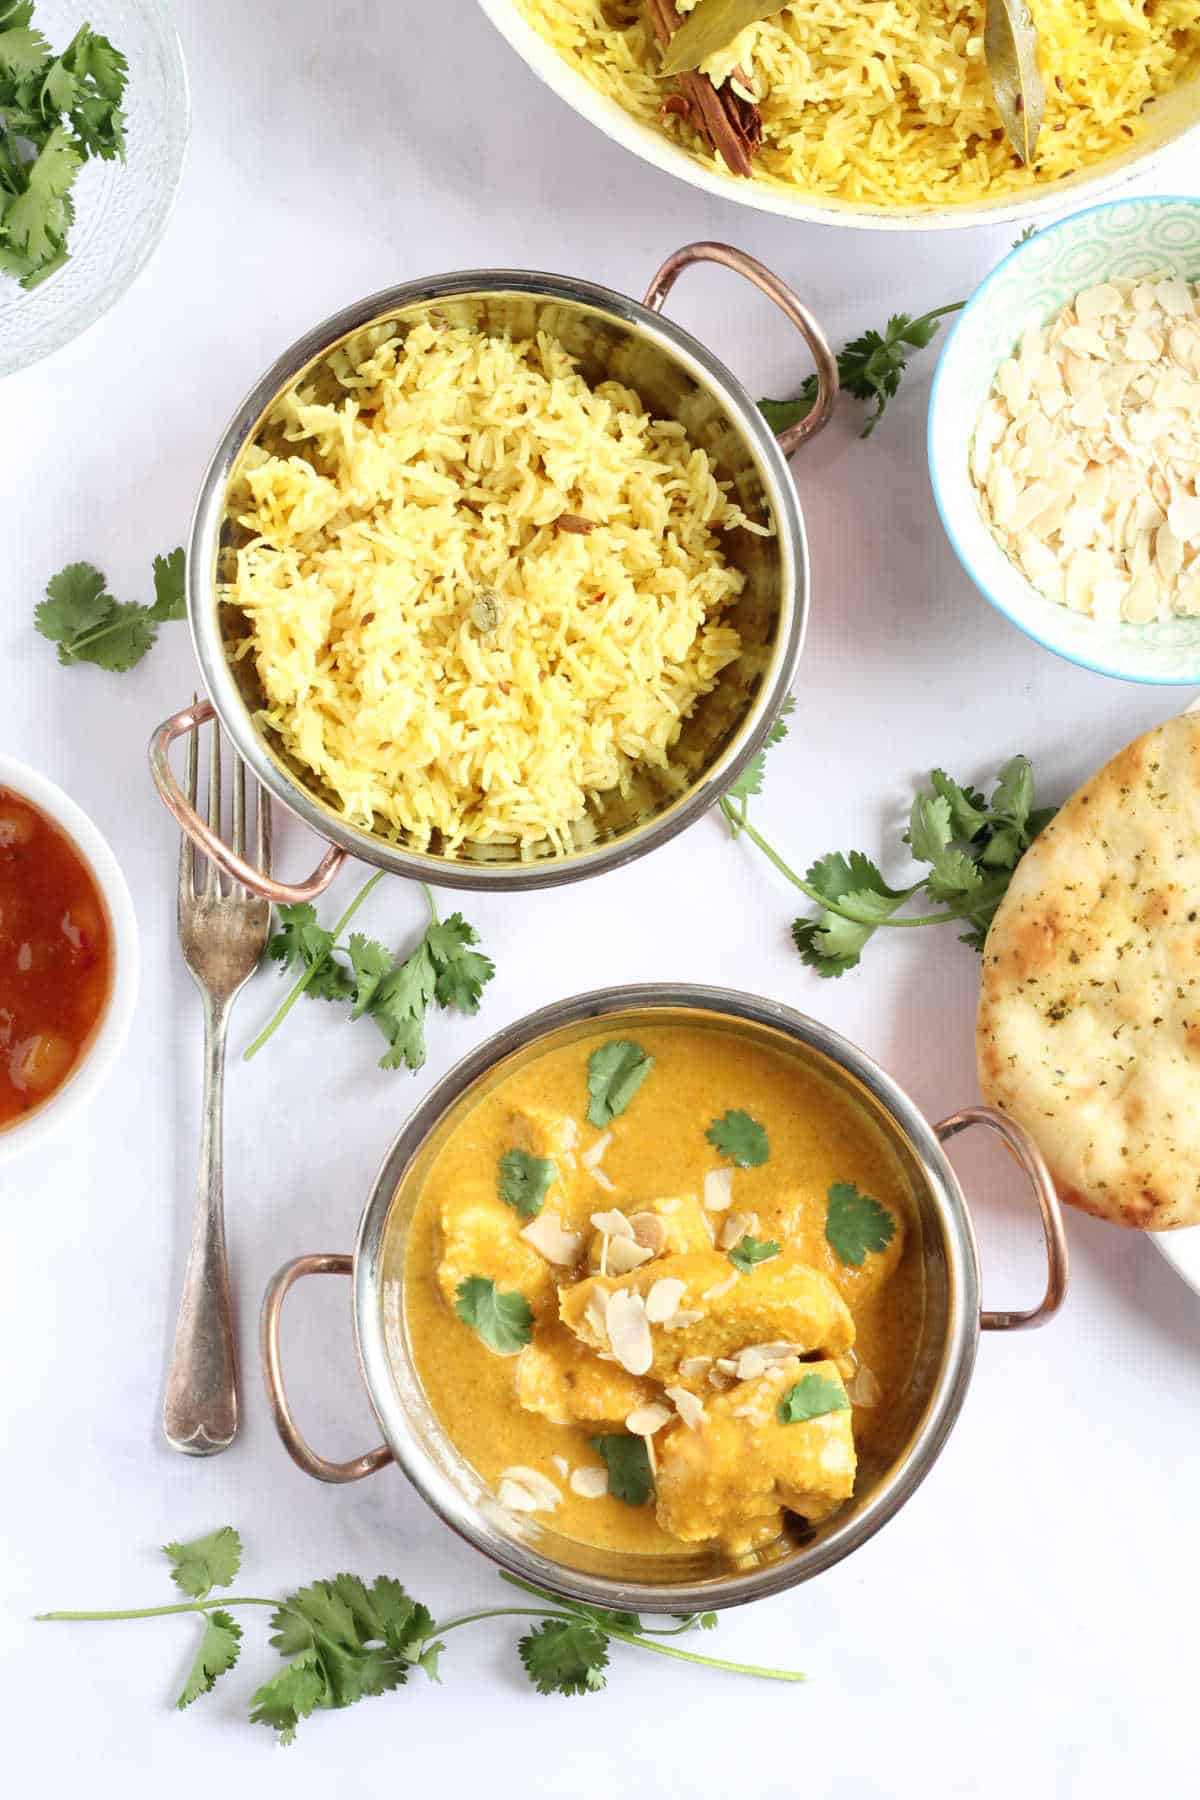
636 1223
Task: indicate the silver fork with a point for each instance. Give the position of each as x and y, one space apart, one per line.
223 932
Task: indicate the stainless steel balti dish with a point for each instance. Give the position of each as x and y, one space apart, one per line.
613 337
535 1552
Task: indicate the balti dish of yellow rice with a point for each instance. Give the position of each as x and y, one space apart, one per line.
478 591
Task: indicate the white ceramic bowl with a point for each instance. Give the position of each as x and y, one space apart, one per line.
122 207
1175 117
93 1067
1124 237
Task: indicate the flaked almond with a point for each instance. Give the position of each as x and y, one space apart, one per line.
750 1365
662 1300
602 1180
644 1421
720 1288
694 1368
682 1319
562 1465
527 1490
735 1228
589 1483
624 1255
593 1156
690 1409
775 1352
595 1315
629 1331
718 1189
864 1389
550 1238
649 1231
727 1365
612 1224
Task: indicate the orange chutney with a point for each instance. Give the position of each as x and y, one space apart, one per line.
55 957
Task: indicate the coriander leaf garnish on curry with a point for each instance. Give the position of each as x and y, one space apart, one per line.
688 1342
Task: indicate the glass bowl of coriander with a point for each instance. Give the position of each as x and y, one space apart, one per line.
93 129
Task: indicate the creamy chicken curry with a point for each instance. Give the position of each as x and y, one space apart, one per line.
663 1289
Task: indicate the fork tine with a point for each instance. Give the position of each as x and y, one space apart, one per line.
239 815
212 878
263 851
187 856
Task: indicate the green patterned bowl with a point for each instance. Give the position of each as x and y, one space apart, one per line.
1125 237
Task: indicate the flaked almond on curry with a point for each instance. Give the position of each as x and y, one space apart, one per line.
663 1290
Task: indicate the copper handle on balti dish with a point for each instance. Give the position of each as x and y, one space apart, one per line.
1021 1146
788 302
319 1466
280 893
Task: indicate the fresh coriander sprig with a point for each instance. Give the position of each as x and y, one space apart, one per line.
55 113
394 992
88 625
871 367
344 1641
971 845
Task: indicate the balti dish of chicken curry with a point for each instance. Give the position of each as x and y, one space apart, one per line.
664 1290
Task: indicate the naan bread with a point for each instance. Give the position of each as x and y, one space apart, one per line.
1089 1016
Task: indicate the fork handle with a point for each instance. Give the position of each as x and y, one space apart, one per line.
200 1408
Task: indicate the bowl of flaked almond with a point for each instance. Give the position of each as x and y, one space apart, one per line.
1064 439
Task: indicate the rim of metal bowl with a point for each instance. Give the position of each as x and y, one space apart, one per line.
946 1396
940 397
705 368
632 134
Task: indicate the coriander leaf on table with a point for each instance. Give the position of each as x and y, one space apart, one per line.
525 1180
971 847
750 781
812 1397
370 961
750 1251
88 625
615 1073
565 1656
170 593
396 994
741 1138
218 1652
75 603
627 1460
855 1224
503 1321
870 367
205 1562
461 972
343 1640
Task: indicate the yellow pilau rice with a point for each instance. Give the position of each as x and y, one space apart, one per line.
888 102
392 522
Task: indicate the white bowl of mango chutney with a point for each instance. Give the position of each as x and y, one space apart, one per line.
666 1298
68 958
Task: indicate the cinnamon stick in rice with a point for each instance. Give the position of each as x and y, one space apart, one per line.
731 125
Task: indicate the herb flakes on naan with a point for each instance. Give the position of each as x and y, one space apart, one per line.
1088 1031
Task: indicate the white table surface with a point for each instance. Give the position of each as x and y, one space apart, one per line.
1027 1624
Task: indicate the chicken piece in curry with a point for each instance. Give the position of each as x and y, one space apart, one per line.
665 1291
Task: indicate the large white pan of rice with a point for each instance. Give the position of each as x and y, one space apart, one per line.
878 113
498 579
